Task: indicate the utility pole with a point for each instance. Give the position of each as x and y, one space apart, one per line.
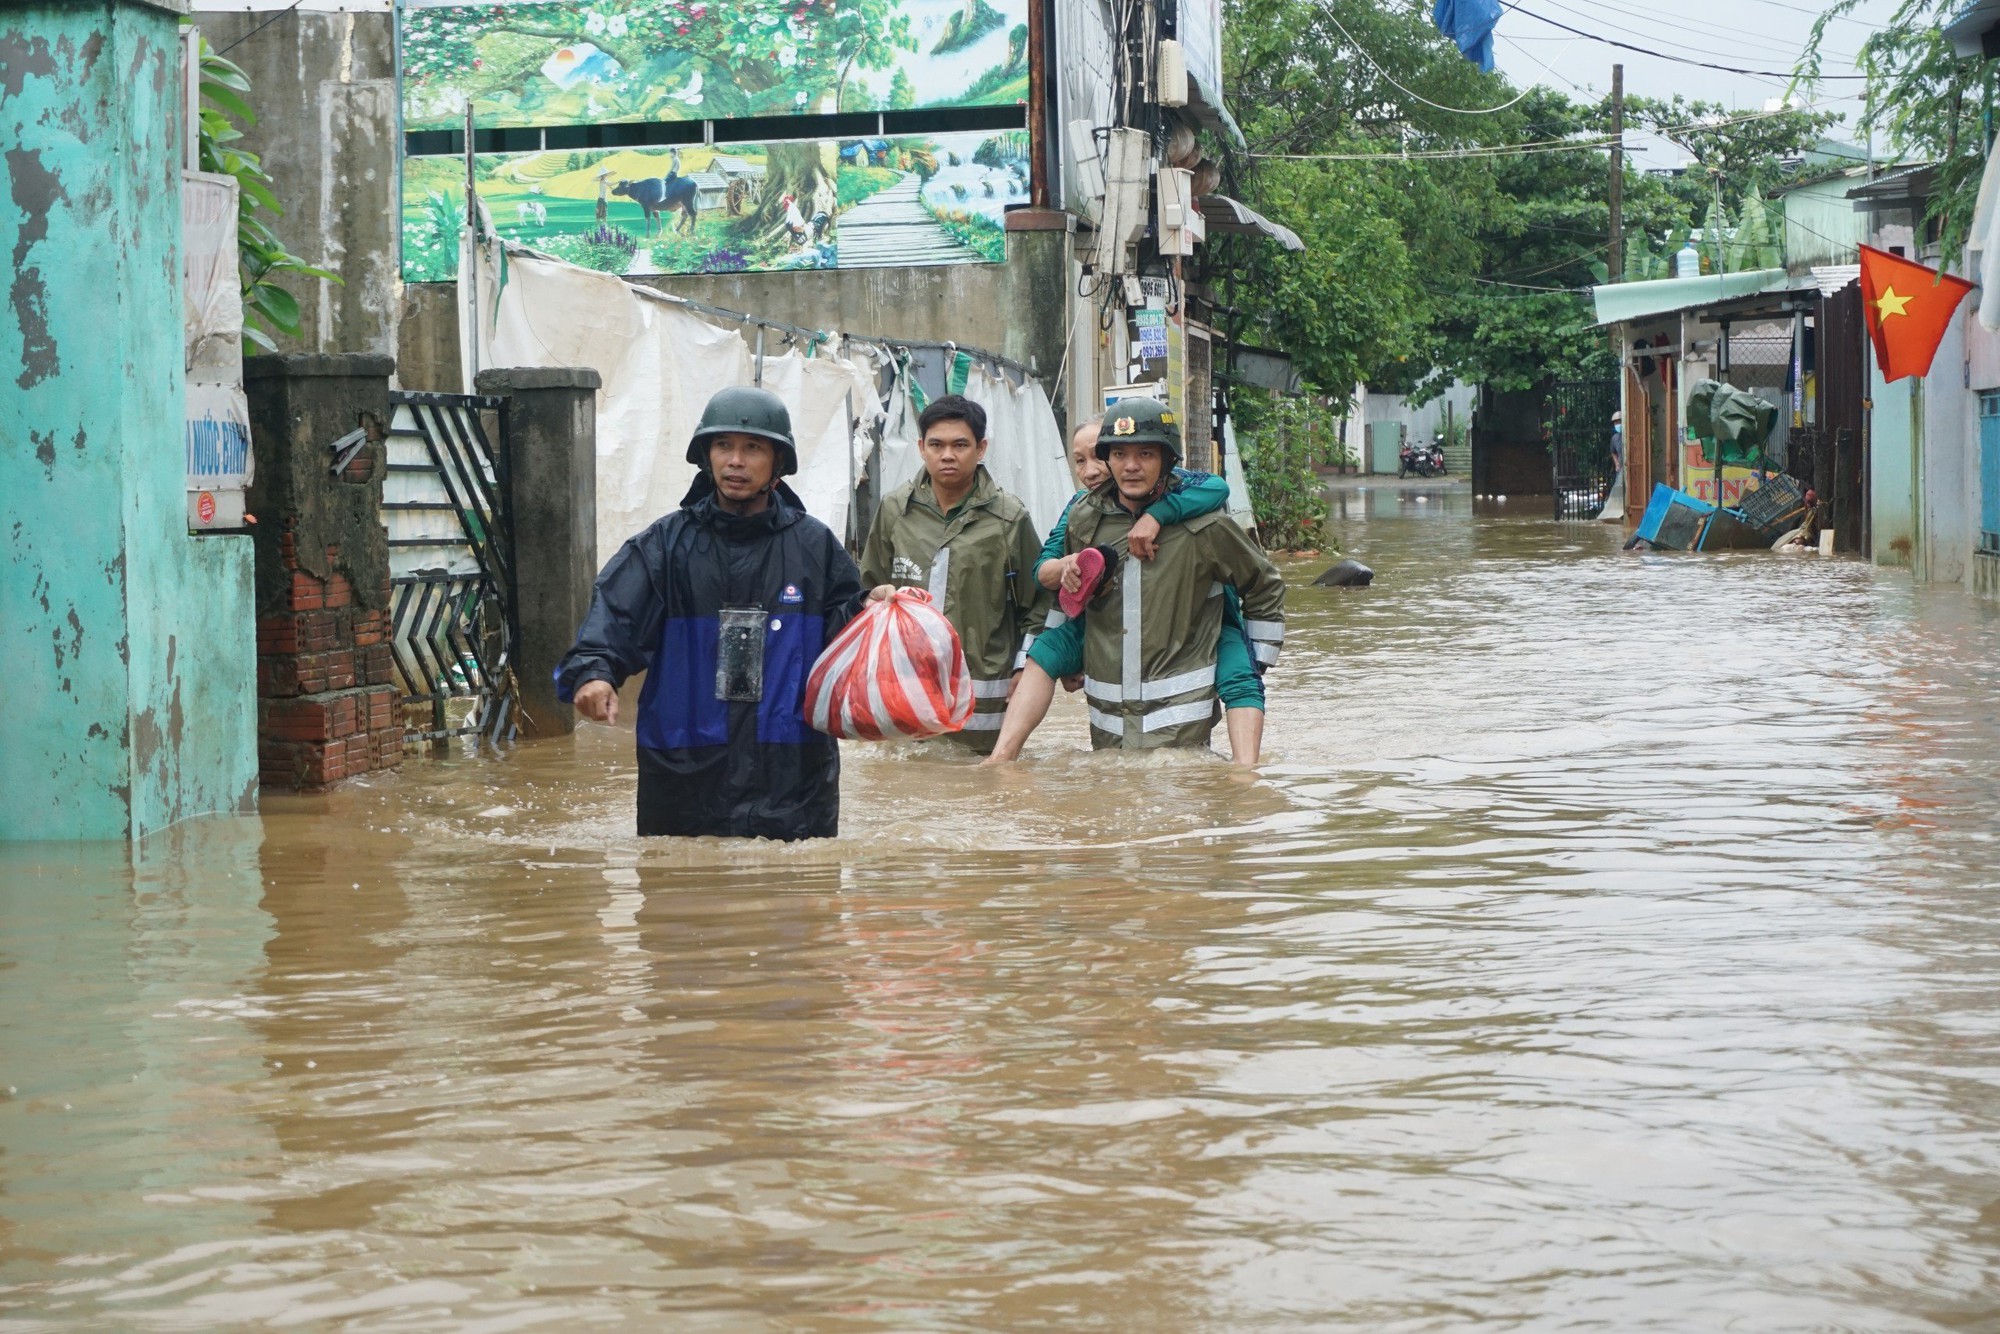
1617 261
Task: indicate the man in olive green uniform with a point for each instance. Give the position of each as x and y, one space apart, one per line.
1149 647
956 534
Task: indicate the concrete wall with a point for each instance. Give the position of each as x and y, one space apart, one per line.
1948 468
1426 421
324 88
1017 309
1893 428
125 643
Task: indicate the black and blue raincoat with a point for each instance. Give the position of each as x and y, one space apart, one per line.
708 764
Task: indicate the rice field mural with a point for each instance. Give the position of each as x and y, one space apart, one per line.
855 203
525 63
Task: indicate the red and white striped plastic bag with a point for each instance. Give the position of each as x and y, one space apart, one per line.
896 670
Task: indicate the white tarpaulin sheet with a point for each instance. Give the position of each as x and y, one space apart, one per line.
217 432
659 364
1028 456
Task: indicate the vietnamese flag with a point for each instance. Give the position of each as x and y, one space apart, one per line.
1908 308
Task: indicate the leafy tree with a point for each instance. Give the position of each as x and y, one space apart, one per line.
1748 152
1755 244
1916 93
902 93
790 55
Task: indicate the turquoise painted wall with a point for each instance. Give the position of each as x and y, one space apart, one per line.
1892 468
127 647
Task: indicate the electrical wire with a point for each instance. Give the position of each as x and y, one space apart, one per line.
1553 145
1772 46
1662 55
1543 63
1391 79
259 28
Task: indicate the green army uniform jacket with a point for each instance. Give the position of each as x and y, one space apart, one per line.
1149 636
976 563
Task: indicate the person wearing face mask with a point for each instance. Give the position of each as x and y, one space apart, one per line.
956 534
725 604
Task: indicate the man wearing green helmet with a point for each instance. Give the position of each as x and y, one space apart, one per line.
725 604
1150 635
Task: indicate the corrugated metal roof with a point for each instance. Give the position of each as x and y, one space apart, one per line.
1635 301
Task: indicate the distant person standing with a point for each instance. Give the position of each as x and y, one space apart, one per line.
724 604
1618 442
603 195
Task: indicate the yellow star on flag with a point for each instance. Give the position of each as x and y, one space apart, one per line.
1890 304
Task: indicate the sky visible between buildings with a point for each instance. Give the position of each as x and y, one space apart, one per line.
1748 34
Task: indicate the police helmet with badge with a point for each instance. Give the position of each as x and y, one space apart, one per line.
1140 421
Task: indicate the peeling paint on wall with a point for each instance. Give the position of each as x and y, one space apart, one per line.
131 643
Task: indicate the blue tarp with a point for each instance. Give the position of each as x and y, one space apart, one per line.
1469 23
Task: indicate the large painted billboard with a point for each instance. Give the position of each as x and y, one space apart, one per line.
527 63
855 203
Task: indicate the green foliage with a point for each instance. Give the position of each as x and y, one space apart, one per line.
1917 91
677 59
1715 230
606 249
854 184
1419 270
268 308
1280 444
973 230
902 93
1755 244
967 26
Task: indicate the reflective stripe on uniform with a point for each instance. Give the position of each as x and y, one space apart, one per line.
1266 630
1055 618
1264 653
1132 632
1106 722
1200 678
984 722
990 689
1178 715
940 576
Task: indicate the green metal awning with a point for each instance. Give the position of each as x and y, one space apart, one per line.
1617 302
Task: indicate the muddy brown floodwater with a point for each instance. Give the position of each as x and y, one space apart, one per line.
1610 943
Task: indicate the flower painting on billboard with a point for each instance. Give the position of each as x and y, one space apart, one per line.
527 63
822 204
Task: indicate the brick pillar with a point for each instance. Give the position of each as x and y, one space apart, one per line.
552 469
326 707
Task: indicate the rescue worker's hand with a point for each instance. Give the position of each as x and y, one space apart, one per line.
1144 539
881 592
1071 580
597 701
1073 683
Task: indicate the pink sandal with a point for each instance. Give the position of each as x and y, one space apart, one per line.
1091 564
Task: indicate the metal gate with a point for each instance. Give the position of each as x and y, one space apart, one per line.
1577 415
451 567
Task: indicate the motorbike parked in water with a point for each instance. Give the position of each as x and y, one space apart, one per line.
1421 460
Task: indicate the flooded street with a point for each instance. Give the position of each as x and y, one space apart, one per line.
1609 943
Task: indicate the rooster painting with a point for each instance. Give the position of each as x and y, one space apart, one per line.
803 231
